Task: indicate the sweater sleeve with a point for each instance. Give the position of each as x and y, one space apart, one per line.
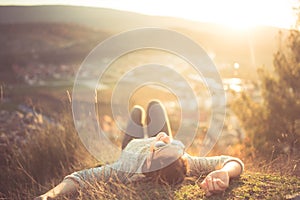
103 173
204 165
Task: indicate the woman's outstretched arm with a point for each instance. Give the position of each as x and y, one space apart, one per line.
67 186
219 169
116 171
218 180
233 168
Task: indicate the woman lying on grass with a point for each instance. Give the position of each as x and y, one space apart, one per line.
158 156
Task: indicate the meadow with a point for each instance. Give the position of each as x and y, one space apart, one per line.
53 150
39 144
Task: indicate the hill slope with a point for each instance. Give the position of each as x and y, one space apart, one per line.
250 48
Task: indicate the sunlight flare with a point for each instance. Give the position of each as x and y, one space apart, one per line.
236 14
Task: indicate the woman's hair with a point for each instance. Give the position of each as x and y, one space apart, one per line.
172 174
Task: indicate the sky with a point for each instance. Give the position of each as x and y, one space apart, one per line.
239 14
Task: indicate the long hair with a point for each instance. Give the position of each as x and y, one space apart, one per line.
172 174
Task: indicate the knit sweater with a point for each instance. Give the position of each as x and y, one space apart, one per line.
132 159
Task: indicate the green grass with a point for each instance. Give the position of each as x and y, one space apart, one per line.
250 185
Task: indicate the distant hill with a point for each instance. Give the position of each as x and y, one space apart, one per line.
75 30
46 43
33 44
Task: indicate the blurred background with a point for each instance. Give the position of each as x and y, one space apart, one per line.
255 46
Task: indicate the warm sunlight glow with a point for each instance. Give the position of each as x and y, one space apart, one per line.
237 14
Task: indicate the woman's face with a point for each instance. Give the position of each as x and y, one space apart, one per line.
164 150
161 140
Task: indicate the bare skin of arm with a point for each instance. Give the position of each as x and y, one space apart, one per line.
218 180
67 186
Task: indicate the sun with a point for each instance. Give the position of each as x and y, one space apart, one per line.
243 14
235 14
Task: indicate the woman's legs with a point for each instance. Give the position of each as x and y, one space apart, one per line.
157 119
135 125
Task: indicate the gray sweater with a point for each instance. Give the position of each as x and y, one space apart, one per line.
132 159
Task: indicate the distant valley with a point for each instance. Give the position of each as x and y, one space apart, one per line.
66 34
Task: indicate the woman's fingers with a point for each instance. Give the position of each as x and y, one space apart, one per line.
162 136
221 184
204 185
213 185
210 184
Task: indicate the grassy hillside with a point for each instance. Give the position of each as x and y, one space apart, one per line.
249 186
35 45
52 152
36 39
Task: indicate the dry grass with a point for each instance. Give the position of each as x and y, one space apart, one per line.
42 162
249 186
54 153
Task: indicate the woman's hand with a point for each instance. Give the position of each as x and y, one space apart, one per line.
162 136
218 180
215 182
